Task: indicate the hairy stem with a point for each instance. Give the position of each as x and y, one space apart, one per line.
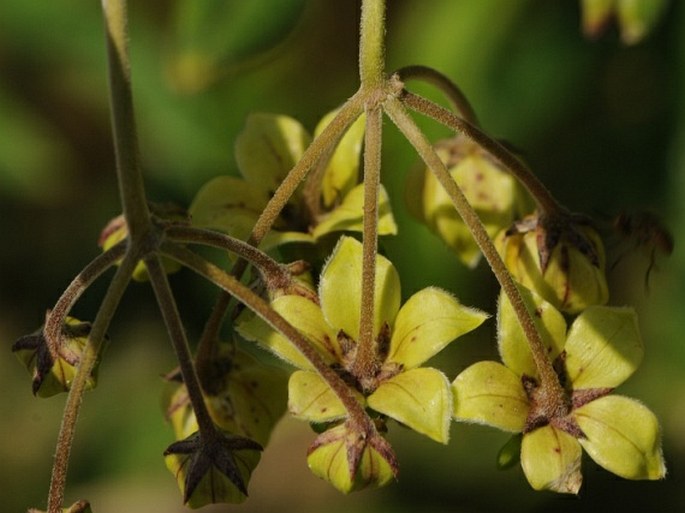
408 127
131 188
546 203
255 303
56 318
365 363
177 334
456 97
271 269
319 147
89 357
372 43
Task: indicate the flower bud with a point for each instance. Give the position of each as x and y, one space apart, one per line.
491 191
52 375
561 257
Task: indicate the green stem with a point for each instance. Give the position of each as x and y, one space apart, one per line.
546 203
55 319
89 357
455 95
372 43
548 377
131 188
365 363
260 307
172 320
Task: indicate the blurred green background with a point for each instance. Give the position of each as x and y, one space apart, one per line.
602 124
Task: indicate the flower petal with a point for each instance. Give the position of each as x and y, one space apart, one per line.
551 460
426 323
419 398
348 215
512 342
490 393
227 204
307 317
268 148
340 289
623 436
342 170
603 347
310 398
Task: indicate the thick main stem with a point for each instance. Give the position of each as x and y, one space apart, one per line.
406 124
131 188
89 357
372 43
366 359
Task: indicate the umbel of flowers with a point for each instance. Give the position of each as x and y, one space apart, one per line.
599 351
398 386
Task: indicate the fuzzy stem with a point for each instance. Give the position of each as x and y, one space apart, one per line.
55 319
455 95
372 43
172 320
131 188
365 363
89 357
546 203
255 303
348 113
263 262
319 147
408 127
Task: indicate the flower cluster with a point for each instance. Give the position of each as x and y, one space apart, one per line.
601 349
396 386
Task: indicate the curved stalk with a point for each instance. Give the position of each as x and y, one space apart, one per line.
255 303
89 356
271 269
455 95
546 203
365 363
55 319
548 377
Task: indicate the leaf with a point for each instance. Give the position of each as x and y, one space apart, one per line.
623 436
603 348
268 148
348 215
426 323
340 289
304 315
490 393
342 171
418 398
310 398
551 460
512 342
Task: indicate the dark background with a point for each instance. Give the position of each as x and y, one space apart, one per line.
602 124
